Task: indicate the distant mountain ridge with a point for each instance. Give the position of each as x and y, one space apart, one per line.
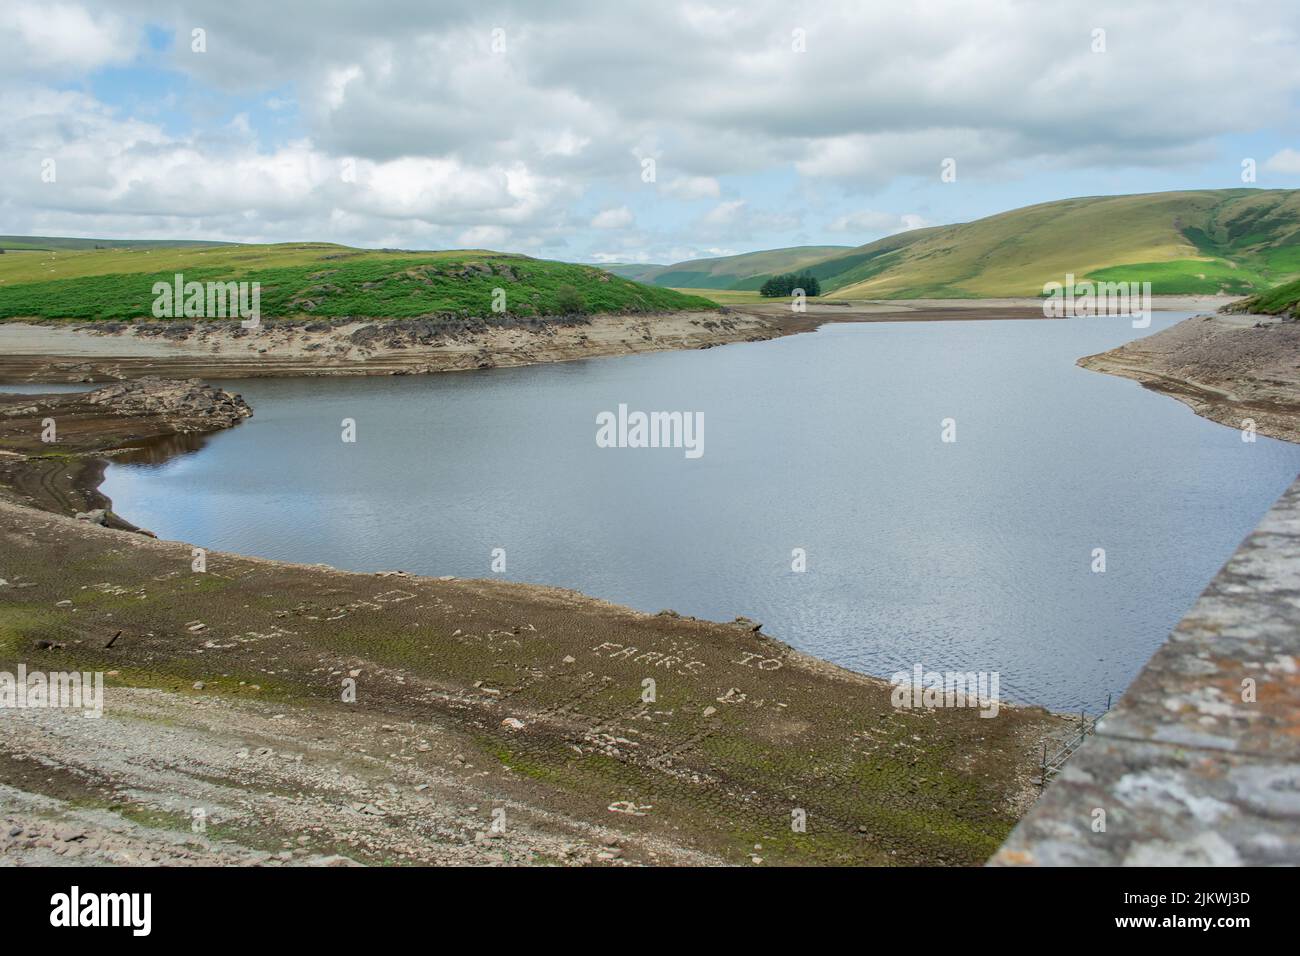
50 243
1234 241
636 271
745 271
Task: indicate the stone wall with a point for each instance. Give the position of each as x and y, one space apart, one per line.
1199 764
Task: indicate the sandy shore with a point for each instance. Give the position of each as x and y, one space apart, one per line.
99 352
1228 368
475 701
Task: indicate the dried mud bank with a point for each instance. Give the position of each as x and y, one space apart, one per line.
112 351
54 448
321 717
1228 368
98 352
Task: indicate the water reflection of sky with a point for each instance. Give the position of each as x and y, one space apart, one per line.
967 556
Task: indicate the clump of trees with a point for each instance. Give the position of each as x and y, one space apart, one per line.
787 283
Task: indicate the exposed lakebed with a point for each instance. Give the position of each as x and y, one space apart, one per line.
975 555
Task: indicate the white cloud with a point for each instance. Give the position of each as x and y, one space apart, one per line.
1284 161
725 213
136 177
869 222
448 137
483 237
739 217
617 218
721 92
61 38
693 187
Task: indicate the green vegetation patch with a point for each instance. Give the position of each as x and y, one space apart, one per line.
1280 300
363 286
1185 277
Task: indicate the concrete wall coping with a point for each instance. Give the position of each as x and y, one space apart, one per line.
1191 768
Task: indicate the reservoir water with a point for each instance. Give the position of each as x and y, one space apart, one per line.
971 555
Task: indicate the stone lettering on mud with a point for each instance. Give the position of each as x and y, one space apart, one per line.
630 808
759 661
654 658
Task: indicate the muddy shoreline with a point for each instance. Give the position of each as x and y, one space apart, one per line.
227 689
1231 369
63 352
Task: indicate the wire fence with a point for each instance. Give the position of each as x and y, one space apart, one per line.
1053 764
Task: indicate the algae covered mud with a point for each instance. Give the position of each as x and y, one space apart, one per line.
326 716
267 713
824 451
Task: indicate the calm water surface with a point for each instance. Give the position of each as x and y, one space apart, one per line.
974 555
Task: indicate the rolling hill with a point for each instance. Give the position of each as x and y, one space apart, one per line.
321 280
636 271
1234 241
47 243
1237 241
1207 241
745 271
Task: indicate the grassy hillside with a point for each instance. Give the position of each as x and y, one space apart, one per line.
1205 241
321 280
1280 300
745 271
864 262
47 243
733 296
636 271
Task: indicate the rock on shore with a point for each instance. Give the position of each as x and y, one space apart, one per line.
54 447
190 405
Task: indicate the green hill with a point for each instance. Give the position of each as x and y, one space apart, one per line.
1280 300
636 271
46 243
321 280
1205 241
745 271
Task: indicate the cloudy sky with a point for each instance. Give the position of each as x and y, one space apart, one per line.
530 126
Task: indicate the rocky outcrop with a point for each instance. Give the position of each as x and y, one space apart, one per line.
189 405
